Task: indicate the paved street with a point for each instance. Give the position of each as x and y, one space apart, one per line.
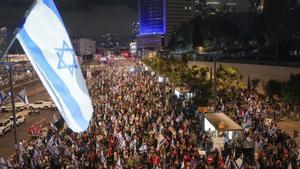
36 92
7 141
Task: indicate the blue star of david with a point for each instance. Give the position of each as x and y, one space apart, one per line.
61 63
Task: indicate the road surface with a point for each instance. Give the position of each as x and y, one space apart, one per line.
35 92
7 141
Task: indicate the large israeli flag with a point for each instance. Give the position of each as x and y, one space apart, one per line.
48 47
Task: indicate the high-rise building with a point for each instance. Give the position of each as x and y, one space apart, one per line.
3 39
135 31
109 41
85 46
200 7
159 19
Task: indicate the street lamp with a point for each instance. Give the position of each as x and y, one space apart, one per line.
215 82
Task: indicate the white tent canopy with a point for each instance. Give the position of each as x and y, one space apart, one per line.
214 119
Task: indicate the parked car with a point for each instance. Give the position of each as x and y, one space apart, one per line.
5 126
42 105
34 111
19 106
20 119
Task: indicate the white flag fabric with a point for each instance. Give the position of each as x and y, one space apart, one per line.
182 165
160 140
133 145
23 96
119 164
143 148
49 49
239 163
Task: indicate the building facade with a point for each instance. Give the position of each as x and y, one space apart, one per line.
84 46
159 19
3 39
200 7
135 31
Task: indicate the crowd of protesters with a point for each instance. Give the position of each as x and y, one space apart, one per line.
139 123
21 72
258 114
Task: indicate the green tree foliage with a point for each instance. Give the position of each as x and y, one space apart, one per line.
182 38
254 83
291 91
180 75
202 91
205 31
273 88
228 77
277 27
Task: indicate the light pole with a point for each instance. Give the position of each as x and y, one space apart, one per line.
10 67
215 83
10 71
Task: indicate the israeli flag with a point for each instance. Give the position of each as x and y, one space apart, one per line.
23 96
49 49
239 163
3 98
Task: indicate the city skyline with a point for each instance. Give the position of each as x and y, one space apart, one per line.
76 12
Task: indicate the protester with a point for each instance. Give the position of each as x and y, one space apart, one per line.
21 72
138 123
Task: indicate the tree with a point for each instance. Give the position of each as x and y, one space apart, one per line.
291 91
227 77
273 88
277 26
182 37
254 83
197 38
202 92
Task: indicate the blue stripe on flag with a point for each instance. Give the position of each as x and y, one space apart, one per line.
50 4
57 83
21 98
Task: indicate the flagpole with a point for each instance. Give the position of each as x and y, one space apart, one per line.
13 104
10 66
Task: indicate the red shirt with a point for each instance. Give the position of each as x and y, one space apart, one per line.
155 160
187 158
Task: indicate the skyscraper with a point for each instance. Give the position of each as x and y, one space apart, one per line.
84 46
200 7
3 39
159 19
135 31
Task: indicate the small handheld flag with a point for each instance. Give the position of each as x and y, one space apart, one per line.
45 41
23 96
3 98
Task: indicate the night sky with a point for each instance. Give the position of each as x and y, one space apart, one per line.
88 18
